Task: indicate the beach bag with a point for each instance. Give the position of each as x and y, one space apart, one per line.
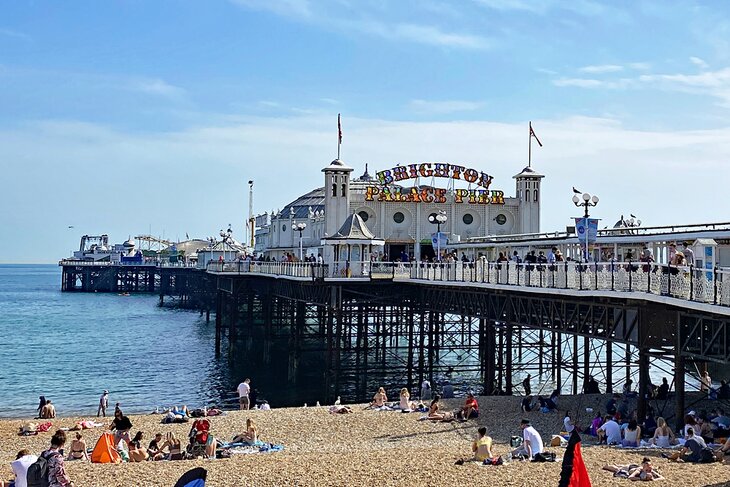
493 461
707 456
545 456
37 475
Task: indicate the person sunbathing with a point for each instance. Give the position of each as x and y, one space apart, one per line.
78 449
339 409
136 452
48 411
379 399
435 413
644 472
405 403
250 436
482 446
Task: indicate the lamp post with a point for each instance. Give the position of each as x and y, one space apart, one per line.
586 201
299 227
438 219
225 238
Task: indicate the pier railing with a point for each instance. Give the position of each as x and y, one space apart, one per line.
688 283
711 286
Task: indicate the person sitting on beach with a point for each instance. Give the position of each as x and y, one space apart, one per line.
78 449
20 465
405 403
434 410
609 432
531 441
695 450
48 411
632 434
121 426
596 423
174 447
663 435
568 423
470 408
482 446
379 399
612 405
643 472
689 423
251 434
136 452
153 450
549 404
527 404
41 405
57 476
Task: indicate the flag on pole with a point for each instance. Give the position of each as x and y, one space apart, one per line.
574 472
339 128
532 134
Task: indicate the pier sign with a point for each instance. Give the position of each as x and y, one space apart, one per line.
482 195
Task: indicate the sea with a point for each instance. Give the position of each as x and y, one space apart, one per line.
70 347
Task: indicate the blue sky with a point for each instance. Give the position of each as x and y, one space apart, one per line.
123 116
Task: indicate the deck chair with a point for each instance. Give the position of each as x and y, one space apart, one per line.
198 437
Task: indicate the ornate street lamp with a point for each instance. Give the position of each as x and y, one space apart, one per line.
299 227
586 201
438 219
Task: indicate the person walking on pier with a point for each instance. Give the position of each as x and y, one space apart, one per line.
103 404
244 388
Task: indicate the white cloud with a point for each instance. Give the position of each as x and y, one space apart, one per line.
579 82
426 34
444 106
640 66
269 104
329 101
699 62
15 34
286 8
710 83
157 87
601 68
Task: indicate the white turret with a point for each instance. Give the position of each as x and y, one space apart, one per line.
336 198
528 194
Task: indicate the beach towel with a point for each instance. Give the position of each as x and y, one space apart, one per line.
104 451
43 427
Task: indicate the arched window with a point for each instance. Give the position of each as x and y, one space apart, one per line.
344 188
527 195
334 190
535 196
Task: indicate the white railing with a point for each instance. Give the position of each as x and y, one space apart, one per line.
698 285
688 283
106 263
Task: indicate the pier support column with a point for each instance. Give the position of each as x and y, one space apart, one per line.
643 383
679 376
508 364
218 318
609 367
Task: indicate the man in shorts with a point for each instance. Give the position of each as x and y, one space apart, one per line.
244 389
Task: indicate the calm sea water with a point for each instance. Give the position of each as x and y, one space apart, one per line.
71 346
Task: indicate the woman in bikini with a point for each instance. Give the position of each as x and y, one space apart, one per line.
405 403
174 445
78 449
136 452
251 434
434 412
379 399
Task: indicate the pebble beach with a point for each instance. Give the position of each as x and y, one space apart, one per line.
381 447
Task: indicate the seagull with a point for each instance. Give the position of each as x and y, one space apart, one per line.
576 191
632 216
337 402
70 226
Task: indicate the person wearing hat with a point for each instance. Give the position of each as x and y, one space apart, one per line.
531 441
103 404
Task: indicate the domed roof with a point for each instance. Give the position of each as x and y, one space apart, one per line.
129 243
528 171
314 200
337 165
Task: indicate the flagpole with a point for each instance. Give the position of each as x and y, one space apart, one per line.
529 147
339 135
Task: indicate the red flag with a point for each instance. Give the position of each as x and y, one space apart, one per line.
339 128
574 472
532 134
